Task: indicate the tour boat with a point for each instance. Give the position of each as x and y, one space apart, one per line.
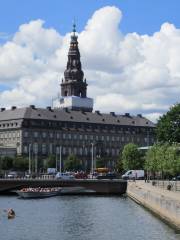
38 192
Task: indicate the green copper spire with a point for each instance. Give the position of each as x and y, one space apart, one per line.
74 27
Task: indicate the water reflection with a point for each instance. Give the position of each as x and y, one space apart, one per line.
81 218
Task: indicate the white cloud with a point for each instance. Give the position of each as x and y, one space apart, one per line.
126 73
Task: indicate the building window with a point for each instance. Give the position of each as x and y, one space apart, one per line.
25 134
64 150
51 135
69 136
35 134
44 134
43 148
113 151
75 150
80 137
80 151
64 136
69 150
35 148
25 149
50 148
58 135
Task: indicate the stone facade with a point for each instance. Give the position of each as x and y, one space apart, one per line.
43 131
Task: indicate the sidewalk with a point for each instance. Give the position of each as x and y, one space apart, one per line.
164 203
155 189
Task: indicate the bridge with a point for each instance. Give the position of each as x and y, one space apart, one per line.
98 186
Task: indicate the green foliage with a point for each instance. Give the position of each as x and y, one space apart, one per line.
20 163
168 126
131 157
164 158
101 162
72 163
50 162
119 165
6 163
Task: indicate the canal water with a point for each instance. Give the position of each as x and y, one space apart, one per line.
80 218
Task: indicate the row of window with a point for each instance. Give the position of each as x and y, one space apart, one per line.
12 134
6 125
49 148
84 126
69 136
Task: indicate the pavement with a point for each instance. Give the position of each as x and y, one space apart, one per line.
141 184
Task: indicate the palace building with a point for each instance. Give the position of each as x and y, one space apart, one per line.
71 126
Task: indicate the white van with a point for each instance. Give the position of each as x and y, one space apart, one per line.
133 174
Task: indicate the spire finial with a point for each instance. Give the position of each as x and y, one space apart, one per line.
74 26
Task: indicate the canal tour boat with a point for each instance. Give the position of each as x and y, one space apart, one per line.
38 192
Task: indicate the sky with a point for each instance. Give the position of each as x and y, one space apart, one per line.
129 51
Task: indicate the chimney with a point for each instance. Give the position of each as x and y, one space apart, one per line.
127 114
32 106
13 107
112 114
49 108
97 112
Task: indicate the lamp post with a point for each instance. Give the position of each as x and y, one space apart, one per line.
29 158
60 159
92 159
56 158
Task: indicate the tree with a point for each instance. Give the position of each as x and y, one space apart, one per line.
20 163
164 159
119 165
168 126
131 157
72 163
6 163
50 161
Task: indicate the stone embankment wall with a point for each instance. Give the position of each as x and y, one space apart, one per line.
164 203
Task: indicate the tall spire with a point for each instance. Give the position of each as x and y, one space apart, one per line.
74 83
74 27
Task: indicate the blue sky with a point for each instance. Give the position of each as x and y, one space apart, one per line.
141 16
129 50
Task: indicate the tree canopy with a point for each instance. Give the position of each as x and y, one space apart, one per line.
131 157
164 158
72 163
168 126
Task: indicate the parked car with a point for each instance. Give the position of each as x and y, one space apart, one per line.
80 175
107 176
64 176
177 178
133 174
12 174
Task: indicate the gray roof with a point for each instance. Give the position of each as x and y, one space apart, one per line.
74 116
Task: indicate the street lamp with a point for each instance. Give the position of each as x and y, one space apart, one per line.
92 158
30 158
60 158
